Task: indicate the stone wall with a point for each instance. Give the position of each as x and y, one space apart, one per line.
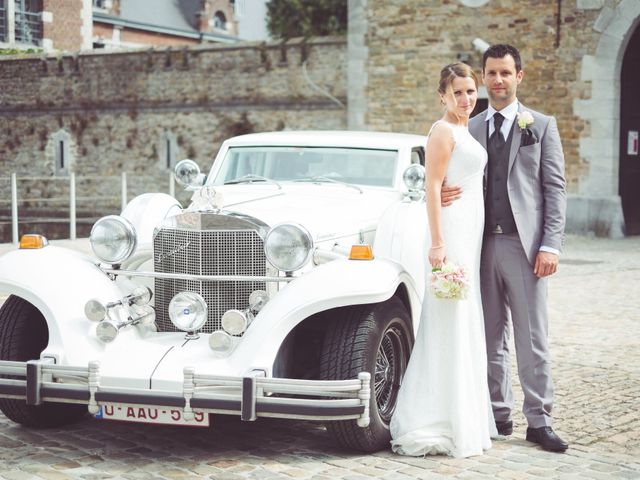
410 40
121 111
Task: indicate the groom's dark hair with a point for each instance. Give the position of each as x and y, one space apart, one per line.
501 50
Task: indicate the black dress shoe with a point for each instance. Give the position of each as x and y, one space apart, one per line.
547 439
504 428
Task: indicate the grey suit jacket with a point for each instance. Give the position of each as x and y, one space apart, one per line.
535 182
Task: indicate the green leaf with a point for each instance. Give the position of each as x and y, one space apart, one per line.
306 18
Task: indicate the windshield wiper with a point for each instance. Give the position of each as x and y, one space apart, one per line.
322 178
250 178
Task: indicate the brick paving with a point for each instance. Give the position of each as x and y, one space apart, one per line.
594 330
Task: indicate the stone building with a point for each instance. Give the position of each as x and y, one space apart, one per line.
45 24
581 65
99 114
131 23
72 25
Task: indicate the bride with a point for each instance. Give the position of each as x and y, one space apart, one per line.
443 405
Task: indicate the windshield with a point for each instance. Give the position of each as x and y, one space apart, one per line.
350 165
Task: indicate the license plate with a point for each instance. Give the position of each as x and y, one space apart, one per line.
146 414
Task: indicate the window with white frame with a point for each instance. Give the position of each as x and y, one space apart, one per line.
4 28
28 22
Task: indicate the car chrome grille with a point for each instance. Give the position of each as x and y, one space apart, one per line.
207 252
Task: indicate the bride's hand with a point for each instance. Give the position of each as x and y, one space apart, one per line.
437 256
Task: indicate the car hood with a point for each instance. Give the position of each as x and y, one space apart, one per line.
326 210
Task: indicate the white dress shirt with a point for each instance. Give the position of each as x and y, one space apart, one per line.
510 113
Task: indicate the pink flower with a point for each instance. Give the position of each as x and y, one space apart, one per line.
450 282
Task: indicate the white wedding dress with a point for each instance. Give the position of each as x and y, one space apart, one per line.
443 404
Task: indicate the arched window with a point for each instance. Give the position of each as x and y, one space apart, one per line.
219 21
62 152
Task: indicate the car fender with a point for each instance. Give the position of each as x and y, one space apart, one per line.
337 283
146 212
402 236
59 282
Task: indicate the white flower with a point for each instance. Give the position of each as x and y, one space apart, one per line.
524 119
449 282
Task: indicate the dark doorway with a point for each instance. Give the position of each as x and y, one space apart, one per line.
629 135
481 106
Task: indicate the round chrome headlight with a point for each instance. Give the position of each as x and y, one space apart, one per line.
145 315
221 343
257 300
187 172
188 311
113 239
413 177
234 322
107 331
95 310
288 246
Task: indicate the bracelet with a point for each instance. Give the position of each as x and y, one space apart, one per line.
436 247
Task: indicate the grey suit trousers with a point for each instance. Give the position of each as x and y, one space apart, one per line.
509 285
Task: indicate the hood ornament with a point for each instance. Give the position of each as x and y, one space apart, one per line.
206 199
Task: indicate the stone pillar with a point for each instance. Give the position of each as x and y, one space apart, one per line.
357 54
86 30
597 206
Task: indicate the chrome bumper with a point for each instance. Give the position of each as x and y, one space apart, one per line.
39 381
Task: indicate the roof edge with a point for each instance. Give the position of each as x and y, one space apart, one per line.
121 22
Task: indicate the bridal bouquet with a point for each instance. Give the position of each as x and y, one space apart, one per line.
449 282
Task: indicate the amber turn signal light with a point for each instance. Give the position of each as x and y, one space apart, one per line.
361 252
32 241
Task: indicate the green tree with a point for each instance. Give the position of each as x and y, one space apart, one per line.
306 18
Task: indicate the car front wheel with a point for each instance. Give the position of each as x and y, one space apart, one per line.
23 336
374 338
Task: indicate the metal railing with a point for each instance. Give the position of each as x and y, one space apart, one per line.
71 199
28 27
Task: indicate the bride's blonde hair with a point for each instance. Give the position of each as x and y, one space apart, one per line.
451 72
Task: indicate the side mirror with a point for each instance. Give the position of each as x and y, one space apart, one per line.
413 178
188 174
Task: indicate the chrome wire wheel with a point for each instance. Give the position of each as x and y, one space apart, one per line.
374 338
389 368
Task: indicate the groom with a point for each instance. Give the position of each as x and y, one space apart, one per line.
525 207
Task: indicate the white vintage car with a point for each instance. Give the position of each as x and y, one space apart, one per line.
291 287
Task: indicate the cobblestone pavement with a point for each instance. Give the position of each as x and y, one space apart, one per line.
594 330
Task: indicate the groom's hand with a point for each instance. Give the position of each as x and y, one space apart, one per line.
546 264
449 194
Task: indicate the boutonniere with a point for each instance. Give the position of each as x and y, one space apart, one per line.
524 119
